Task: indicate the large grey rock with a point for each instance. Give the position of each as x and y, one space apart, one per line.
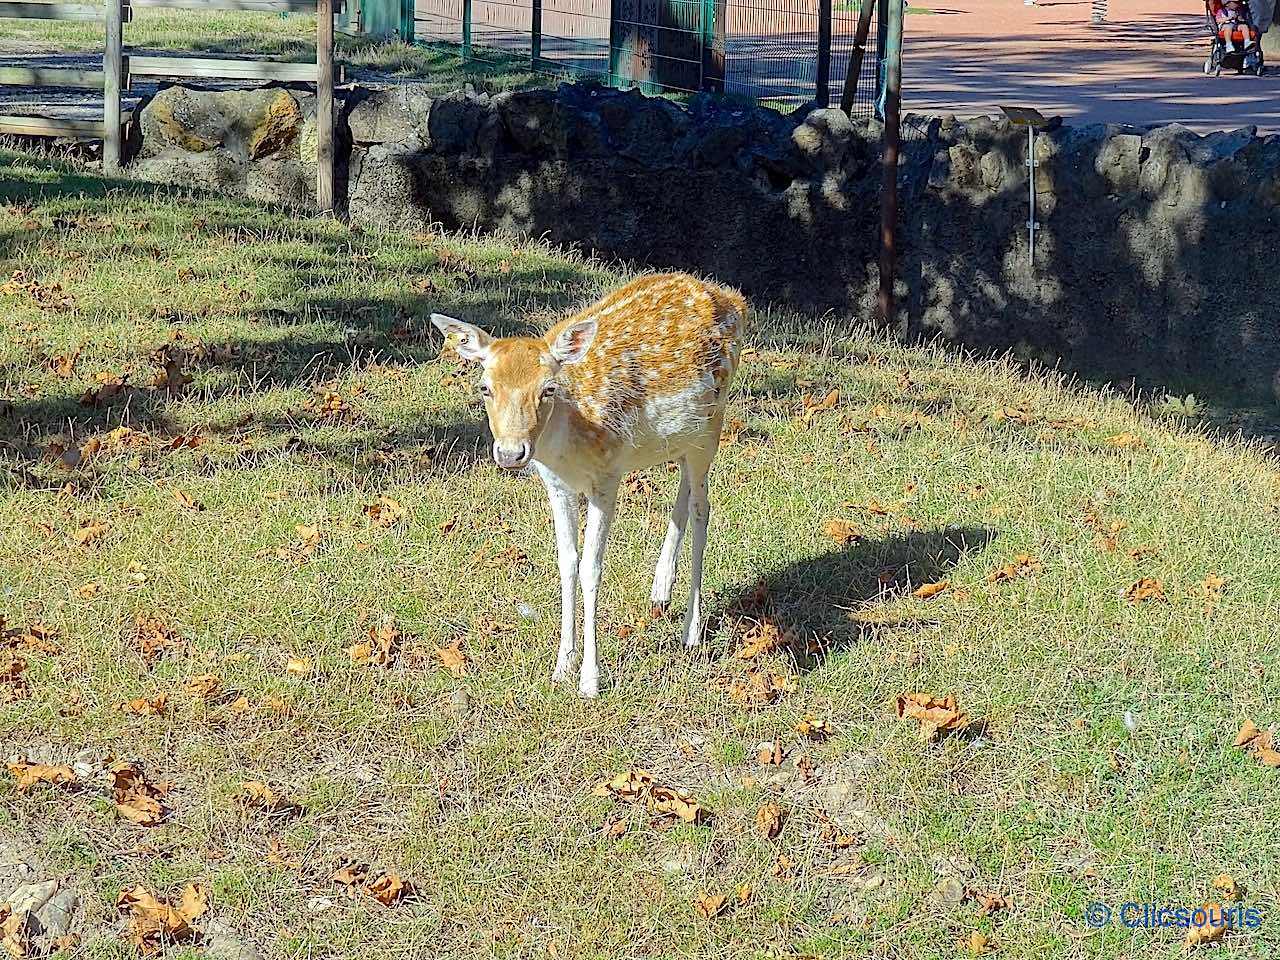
823 137
247 124
258 142
389 116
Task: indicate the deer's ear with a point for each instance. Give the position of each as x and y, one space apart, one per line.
572 342
470 341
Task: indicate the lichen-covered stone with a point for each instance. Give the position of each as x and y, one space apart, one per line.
276 128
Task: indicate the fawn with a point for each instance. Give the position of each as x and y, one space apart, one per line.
637 379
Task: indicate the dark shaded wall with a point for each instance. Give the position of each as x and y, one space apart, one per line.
1155 258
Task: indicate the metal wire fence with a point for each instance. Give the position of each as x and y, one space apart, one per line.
780 52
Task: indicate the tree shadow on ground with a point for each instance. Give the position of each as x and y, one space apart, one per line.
816 599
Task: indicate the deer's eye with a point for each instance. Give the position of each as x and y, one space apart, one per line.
548 391
486 390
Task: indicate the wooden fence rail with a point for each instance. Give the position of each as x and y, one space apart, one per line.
51 77
52 11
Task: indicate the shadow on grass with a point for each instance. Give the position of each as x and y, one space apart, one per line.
817 598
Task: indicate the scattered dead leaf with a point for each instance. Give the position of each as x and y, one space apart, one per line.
1227 886
770 753
153 634
383 512
452 658
1259 743
814 729
1148 588
938 716
977 944
137 800
29 775
927 590
1022 563
843 532
155 924
769 820
990 903
708 906
1212 928
388 889
205 687
762 638
814 405
381 649
258 795
89 532
187 501
760 688
145 706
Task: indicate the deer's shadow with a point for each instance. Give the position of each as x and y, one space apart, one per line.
814 600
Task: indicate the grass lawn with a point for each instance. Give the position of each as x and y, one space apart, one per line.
221 543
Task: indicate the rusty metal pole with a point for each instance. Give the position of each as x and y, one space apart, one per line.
889 161
854 72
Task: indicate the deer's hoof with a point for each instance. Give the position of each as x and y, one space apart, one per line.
588 689
560 675
658 609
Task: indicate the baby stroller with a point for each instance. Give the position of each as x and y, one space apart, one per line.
1235 43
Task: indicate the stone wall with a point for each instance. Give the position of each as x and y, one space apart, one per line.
1155 257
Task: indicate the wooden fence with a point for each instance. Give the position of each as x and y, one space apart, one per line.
119 69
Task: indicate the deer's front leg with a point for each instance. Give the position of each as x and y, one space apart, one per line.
600 507
564 512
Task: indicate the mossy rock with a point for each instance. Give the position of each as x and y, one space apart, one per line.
248 124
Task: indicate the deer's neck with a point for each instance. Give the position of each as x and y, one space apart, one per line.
579 452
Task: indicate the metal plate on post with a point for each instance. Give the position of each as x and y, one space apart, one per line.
1024 116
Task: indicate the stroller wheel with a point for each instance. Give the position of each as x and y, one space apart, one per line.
1208 67
1259 70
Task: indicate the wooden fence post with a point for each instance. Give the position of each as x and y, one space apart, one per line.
324 106
822 95
112 71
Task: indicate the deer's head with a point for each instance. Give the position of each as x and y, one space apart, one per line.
521 380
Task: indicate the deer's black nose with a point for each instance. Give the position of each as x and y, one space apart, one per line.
511 456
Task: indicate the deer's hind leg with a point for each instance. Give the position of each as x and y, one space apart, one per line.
664 573
699 466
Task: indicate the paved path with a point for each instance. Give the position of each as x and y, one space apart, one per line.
1142 67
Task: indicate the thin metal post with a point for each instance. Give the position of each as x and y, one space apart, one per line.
112 74
324 106
406 20
535 43
889 161
1031 178
823 79
466 29
854 73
